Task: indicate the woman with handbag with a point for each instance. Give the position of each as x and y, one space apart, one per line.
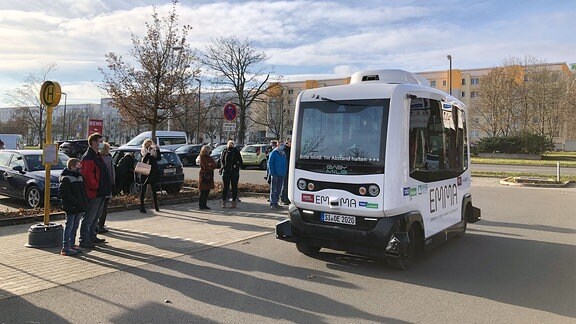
150 156
206 176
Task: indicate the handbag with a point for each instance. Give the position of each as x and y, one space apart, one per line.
142 168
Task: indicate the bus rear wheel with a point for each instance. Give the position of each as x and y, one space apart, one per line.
405 262
307 249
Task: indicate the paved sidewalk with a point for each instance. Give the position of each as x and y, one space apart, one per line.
134 239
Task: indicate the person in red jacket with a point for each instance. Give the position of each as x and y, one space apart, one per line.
97 185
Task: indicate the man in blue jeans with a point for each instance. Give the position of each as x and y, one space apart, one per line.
97 184
277 167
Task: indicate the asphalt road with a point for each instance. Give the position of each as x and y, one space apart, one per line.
515 266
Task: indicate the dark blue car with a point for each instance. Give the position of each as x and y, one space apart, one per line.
22 176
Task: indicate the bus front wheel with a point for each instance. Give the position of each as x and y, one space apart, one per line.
307 249
403 263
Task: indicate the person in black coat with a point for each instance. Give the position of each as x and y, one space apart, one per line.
125 173
74 203
150 155
230 161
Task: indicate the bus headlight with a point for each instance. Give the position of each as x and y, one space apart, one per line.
374 190
362 191
310 186
301 184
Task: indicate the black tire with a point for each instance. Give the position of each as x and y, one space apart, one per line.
173 189
405 263
307 249
34 197
467 212
243 166
263 165
185 161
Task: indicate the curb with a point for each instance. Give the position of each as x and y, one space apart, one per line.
507 182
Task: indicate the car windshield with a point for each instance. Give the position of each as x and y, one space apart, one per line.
34 162
137 141
218 150
184 149
169 158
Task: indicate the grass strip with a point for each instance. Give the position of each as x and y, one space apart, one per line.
548 163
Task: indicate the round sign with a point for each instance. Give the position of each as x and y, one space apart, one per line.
50 94
230 111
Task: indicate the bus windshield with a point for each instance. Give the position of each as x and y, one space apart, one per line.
343 137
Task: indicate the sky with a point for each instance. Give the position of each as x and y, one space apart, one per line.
304 39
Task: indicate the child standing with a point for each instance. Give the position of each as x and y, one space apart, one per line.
74 203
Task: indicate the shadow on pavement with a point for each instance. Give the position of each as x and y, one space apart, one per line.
544 228
533 274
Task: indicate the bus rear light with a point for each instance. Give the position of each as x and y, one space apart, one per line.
362 191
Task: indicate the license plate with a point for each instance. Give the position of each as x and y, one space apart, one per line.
340 219
171 170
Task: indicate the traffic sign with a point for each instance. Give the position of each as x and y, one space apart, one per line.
230 111
50 94
229 127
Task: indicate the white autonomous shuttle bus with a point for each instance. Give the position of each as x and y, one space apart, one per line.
379 167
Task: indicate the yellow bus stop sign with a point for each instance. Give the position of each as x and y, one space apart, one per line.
50 94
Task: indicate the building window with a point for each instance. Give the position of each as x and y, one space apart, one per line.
463 94
475 81
444 82
433 83
463 81
474 133
289 102
290 91
473 94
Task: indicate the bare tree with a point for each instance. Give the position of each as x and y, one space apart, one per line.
27 99
238 66
151 91
492 103
272 110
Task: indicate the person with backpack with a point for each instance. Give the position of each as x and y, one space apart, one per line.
231 162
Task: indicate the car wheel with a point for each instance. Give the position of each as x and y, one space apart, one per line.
243 166
306 249
173 189
33 197
263 165
184 161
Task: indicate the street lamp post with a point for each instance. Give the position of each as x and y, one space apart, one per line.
450 74
198 126
64 133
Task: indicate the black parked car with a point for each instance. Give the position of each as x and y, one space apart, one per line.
188 153
22 175
74 148
170 167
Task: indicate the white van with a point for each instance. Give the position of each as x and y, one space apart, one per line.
170 140
378 167
11 141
